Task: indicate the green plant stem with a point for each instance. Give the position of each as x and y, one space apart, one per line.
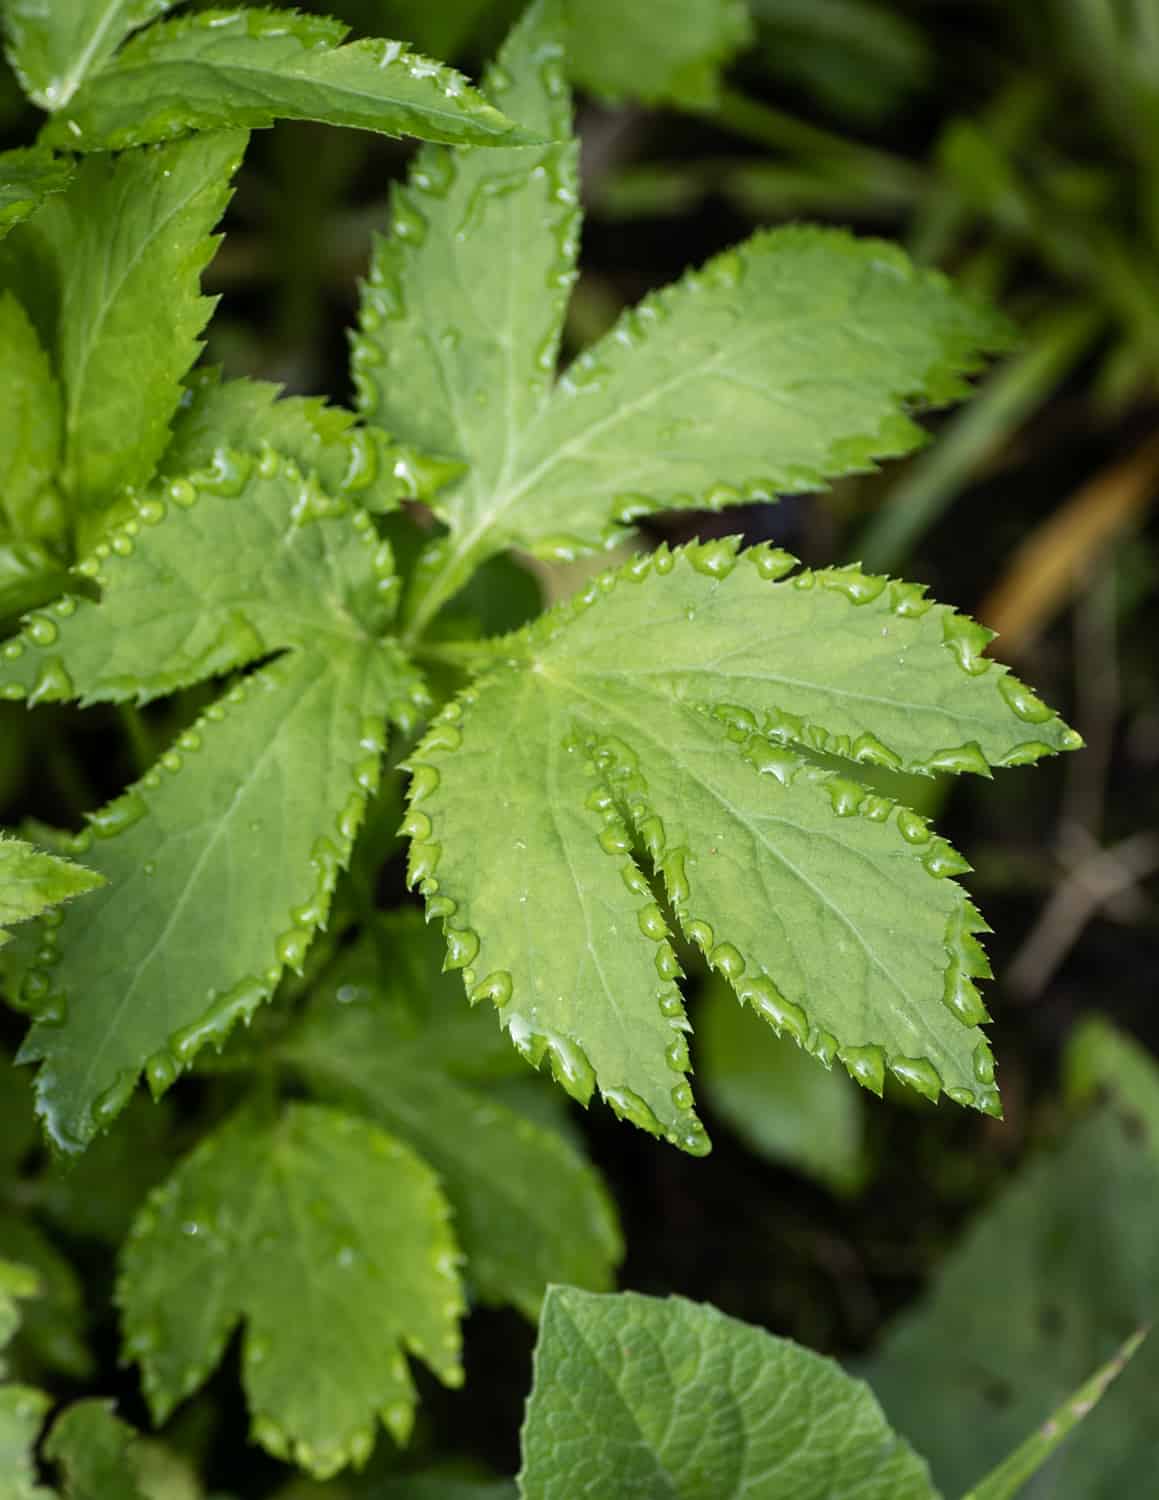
1008 397
457 653
141 747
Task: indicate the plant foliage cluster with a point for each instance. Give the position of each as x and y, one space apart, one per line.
301 1116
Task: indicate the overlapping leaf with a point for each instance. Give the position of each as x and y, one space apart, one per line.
249 66
95 1453
220 863
124 248
671 50
54 47
680 705
27 178
31 882
393 1040
30 426
638 1396
331 1240
781 364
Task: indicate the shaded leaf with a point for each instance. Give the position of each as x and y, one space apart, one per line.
250 67
51 1336
30 423
27 178
680 704
331 1241
95 1452
395 1042
669 51
779 1100
634 1395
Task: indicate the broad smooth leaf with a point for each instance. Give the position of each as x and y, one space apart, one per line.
779 1100
250 67
674 1401
679 704
215 572
95 1453
670 51
30 423
359 462
127 244
54 45
32 881
331 1240
1050 1281
780 365
392 1040
27 178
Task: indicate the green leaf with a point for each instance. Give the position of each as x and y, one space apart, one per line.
31 882
27 178
30 575
22 1410
95 1453
30 421
1009 1477
251 67
469 294
331 1240
358 462
128 243
637 1396
784 363
52 1334
1100 1059
670 51
680 703
54 47
17 1283
394 1042
1047 1283
215 572
777 1098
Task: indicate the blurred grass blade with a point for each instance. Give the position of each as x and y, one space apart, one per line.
1005 1482
1004 402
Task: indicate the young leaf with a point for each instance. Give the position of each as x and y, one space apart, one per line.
216 572
331 1241
95 1453
32 881
54 47
637 1396
127 244
250 67
359 462
669 51
685 699
27 178
1012 1473
782 364
777 1098
1048 1282
392 1044
30 422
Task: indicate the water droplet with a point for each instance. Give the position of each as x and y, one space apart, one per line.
462 946
667 964
967 640
912 827
959 760
671 1004
161 1072
716 558
771 563
963 1097
726 960
781 1014
983 1064
1022 701
181 492
118 816
52 683
628 1105
112 1100
866 1065
845 796
856 586
614 839
676 1056
496 987
700 933
291 948
942 859
650 920
41 631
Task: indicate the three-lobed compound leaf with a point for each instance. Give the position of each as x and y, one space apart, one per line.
126 245
349 459
95 1453
779 1100
783 363
27 177
222 860
331 1240
679 705
390 1037
673 1400
670 51
32 881
54 47
250 67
